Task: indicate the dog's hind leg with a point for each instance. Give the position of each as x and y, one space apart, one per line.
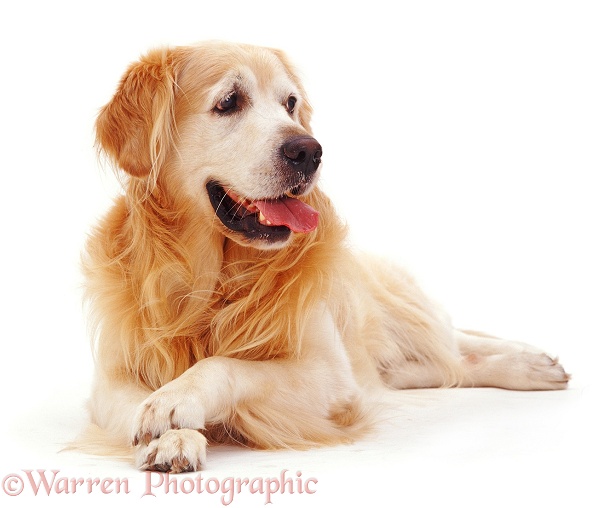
489 361
414 344
483 361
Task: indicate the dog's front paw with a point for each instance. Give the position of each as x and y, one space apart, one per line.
175 451
171 407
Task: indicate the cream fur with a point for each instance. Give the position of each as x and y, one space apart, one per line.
201 333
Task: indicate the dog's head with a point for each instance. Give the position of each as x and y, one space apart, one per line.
225 126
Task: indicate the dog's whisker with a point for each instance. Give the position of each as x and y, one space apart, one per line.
215 216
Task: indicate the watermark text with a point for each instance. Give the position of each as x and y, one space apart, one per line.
43 482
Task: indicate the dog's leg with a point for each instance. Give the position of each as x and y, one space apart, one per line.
168 423
114 407
483 361
113 404
414 374
417 346
489 361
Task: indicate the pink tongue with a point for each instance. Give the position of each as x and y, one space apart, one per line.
290 212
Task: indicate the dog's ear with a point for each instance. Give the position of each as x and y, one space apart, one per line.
135 127
305 108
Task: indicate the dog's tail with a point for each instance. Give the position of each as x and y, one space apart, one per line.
97 441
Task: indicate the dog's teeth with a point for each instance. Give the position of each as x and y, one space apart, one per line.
263 220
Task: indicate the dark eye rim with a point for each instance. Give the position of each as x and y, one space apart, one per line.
228 104
290 104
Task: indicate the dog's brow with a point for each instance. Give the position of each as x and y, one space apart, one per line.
286 87
229 82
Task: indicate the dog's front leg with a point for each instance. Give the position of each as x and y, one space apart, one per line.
168 426
167 429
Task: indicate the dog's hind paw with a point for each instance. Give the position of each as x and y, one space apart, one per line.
524 370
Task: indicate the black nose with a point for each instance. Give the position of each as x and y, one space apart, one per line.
303 153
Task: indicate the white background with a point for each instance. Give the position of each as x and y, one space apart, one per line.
462 138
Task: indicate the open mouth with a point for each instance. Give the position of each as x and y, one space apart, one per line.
270 219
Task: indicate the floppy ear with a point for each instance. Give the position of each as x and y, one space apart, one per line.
305 108
135 127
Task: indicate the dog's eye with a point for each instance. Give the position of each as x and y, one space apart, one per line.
227 103
291 104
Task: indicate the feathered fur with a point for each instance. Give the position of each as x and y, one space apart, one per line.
198 327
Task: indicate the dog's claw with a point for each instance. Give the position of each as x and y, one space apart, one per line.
176 451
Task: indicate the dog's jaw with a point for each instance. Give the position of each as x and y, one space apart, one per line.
245 220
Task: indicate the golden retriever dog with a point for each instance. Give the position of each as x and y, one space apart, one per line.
227 305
